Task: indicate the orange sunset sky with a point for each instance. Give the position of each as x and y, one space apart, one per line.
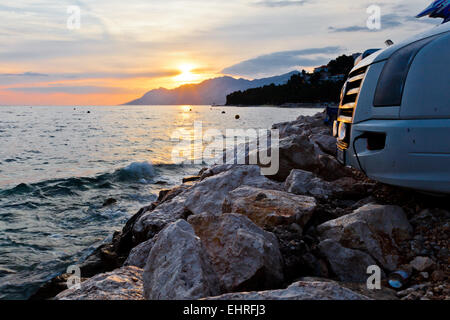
126 48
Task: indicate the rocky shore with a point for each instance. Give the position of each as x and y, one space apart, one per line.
310 232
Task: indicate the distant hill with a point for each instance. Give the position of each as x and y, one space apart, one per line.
212 91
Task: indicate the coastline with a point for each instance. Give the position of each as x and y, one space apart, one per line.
313 210
286 105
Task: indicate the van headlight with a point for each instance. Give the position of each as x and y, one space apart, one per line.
342 132
335 128
392 80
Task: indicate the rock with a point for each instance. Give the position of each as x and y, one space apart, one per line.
191 179
326 143
138 256
244 256
306 183
209 194
351 188
422 264
51 288
216 169
438 275
302 290
296 152
303 125
270 207
375 229
151 222
177 267
205 196
330 169
121 284
349 265
109 201
167 195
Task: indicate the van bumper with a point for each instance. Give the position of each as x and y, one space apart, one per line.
416 153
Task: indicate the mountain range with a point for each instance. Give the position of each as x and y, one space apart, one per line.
208 92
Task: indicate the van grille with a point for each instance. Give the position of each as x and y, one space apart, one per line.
349 100
350 95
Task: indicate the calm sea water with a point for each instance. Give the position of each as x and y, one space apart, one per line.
59 164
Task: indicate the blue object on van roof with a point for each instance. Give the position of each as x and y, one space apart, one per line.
438 9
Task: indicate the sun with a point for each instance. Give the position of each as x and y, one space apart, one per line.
186 74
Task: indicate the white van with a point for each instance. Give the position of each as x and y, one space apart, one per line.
394 116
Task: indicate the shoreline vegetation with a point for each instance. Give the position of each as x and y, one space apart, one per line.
323 85
309 232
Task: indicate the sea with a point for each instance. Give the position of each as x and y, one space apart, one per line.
58 166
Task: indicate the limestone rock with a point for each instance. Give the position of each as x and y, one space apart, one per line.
138 255
302 290
326 143
422 264
208 195
349 265
177 267
306 183
296 152
330 169
121 284
270 207
244 256
374 229
205 196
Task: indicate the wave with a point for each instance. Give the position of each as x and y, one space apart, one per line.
134 173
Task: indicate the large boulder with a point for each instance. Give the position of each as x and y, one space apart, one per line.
348 265
302 290
325 142
139 254
296 152
208 195
244 256
178 267
307 183
205 196
270 207
303 125
151 222
121 284
375 229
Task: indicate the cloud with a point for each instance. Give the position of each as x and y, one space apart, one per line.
69 89
348 29
279 4
25 74
280 61
388 21
119 75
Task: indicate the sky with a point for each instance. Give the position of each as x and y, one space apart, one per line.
123 49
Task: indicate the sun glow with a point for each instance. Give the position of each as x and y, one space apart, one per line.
187 75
